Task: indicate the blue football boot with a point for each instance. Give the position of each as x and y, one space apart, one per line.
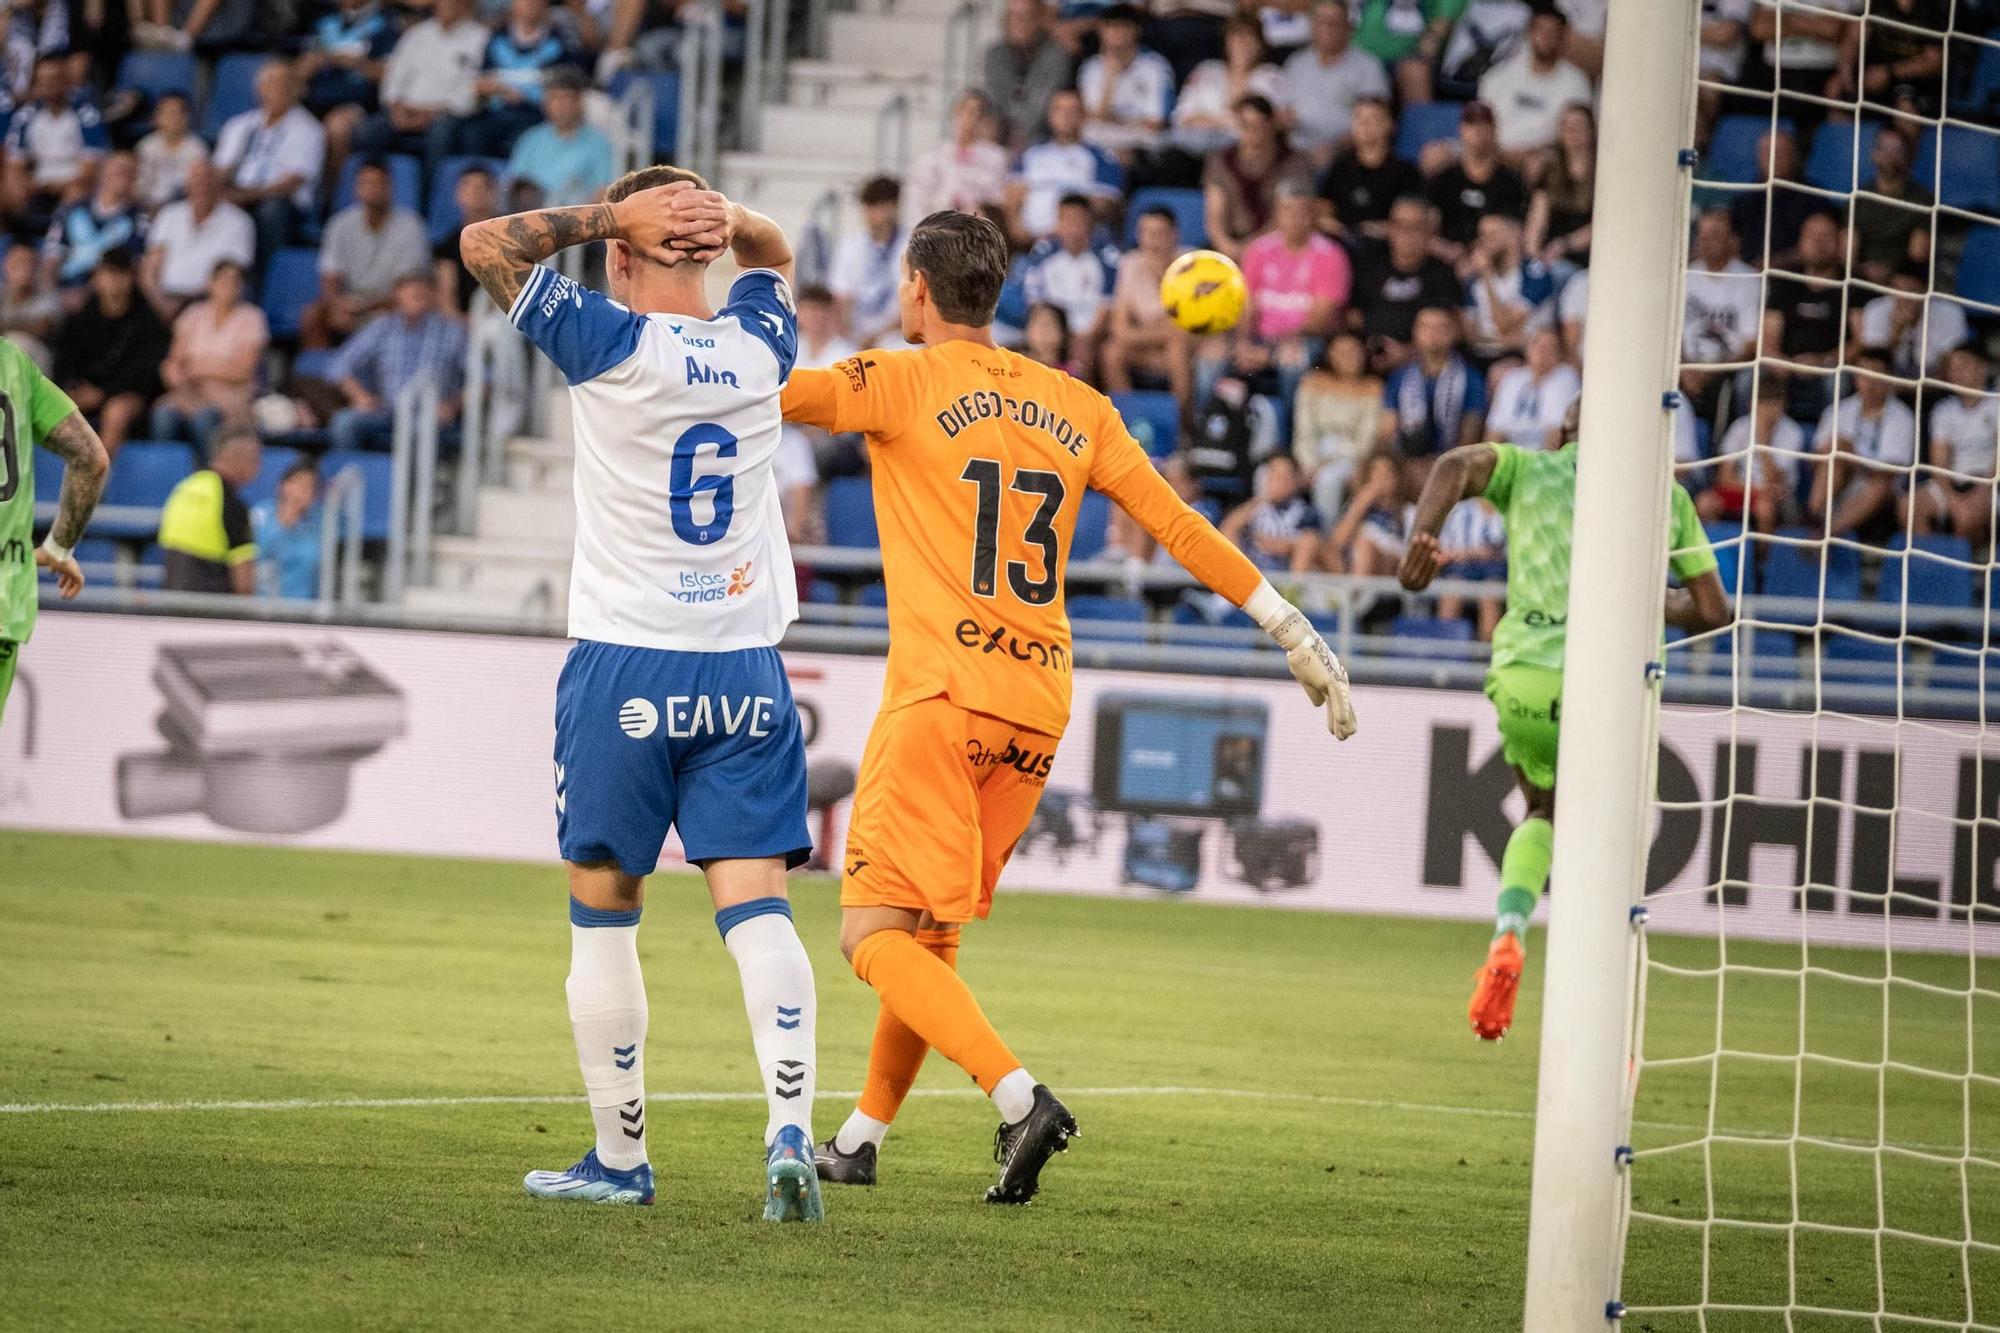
791 1180
591 1181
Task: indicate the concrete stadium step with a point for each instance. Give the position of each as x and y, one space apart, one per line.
822 83
538 515
937 9
499 564
899 40
844 132
468 604
542 465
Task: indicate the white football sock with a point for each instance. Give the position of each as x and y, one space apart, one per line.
607 1013
858 1130
778 997
1015 1096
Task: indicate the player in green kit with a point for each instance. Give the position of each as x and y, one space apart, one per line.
34 411
1535 493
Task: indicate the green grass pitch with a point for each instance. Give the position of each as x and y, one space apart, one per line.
1286 1123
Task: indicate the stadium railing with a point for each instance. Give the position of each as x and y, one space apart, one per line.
964 36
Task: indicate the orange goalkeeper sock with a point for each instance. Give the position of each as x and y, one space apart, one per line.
922 990
898 1053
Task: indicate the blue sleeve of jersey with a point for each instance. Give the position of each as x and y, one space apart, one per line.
1475 391
1537 283
584 332
95 136
761 302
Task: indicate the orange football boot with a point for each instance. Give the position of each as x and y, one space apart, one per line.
1492 1007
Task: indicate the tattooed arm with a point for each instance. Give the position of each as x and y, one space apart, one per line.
502 252
85 466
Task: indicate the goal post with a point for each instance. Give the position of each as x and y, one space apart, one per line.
1609 698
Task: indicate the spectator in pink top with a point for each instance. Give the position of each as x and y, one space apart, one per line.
1299 283
967 172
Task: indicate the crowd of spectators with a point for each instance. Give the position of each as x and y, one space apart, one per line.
160 159
1408 186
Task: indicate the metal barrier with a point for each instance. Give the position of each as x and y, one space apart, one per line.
765 32
701 86
632 145
413 446
892 136
491 347
342 511
822 229
962 36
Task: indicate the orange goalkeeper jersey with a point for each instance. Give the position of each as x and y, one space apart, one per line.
981 458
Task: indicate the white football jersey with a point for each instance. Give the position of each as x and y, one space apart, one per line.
680 535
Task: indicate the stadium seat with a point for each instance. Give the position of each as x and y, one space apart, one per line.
1732 149
317 362
1934 579
1774 653
1858 661
1118 619
873 594
1422 636
406 182
1012 311
666 107
441 215
48 476
231 89
823 592
1794 571
1093 516
850 513
277 460
291 283
156 73
1154 418
1971 167
1425 123
377 486
1726 538
1984 90
143 474
1832 163
1979 268
1187 208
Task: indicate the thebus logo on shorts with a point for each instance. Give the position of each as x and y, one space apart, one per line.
692 716
971 634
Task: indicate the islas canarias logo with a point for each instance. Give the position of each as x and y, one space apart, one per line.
740 580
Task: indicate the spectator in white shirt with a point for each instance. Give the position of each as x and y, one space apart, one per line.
868 267
1870 438
1321 84
1126 88
969 171
1529 89
1964 439
1572 304
1064 165
1074 274
271 157
168 153
428 82
805 453
368 247
1917 330
53 143
1529 401
1724 304
189 237
1757 466
1205 111
1506 294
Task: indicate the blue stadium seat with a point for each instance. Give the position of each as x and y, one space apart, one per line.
231 90
1732 149
1860 661
1093 516
1187 209
1012 311
156 73
823 592
1119 619
1421 636
142 475
1774 653
1971 167
1794 571
873 594
317 362
1934 580
291 283
850 512
277 459
1726 538
406 182
1832 163
1983 91
377 484
1425 123
48 476
1154 418
441 217
666 107
1979 267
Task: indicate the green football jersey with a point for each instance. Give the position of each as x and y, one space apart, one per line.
1535 492
30 407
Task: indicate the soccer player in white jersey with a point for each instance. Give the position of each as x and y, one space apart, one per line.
673 708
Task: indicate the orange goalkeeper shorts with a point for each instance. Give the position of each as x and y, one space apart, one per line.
944 795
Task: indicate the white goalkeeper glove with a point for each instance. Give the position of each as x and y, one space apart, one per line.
1313 664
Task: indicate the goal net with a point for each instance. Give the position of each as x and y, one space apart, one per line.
1814 1088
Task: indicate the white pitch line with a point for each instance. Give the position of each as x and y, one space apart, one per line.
395 1103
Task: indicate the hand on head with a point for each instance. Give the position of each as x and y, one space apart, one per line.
676 223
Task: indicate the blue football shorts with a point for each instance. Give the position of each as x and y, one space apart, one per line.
649 740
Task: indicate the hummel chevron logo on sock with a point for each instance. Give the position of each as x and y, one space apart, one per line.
790 1074
625 1056
788 1018
635 1119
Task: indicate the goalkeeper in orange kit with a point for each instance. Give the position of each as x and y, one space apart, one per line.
981 458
